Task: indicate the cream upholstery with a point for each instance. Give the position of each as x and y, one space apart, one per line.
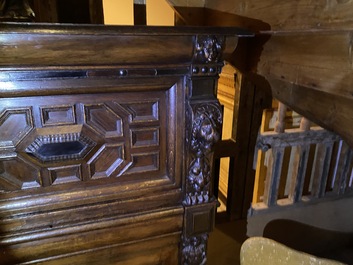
264 251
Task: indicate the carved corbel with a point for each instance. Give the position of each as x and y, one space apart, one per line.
208 55
209 48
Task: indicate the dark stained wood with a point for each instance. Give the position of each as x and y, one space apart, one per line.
16 10
63 11
96 12
250 100
75 29
225 148
140 14
73 11
45 11
261 101
106 142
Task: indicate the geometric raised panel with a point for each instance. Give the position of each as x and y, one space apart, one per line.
144 163
17 173
103 119
145 111
108 161
65 174
58 147
200 219
144 137
14 125
58 115
82 140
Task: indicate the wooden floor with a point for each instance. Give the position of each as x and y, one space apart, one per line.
225 241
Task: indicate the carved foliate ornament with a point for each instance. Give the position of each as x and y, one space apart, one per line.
199 179
205 132
208 49
194 250
205 127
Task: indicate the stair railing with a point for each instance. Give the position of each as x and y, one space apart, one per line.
300 165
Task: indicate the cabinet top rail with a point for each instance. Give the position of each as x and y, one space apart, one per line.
92 29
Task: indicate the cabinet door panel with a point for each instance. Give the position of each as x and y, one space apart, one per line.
87 140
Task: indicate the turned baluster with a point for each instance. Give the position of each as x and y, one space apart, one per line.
300 162
305 124
275 162
280 124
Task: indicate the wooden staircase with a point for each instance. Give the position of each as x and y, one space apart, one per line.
302 53
302 49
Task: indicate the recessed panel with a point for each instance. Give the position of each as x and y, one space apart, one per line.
145 111
103 119
108 161
17 173
145 137
57 115
144 163
65 174
200 219
120 136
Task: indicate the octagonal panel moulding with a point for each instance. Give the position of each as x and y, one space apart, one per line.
59 147
15 124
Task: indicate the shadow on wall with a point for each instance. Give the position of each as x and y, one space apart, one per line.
312 240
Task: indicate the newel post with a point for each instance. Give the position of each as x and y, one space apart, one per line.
203 127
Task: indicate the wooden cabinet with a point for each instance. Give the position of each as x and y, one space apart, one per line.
106 138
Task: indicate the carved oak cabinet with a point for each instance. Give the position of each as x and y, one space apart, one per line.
106 138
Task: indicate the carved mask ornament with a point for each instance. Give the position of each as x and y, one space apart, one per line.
209 48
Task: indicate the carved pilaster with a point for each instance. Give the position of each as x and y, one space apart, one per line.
204 121
199 202
205 132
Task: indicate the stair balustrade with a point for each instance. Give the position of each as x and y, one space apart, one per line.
299 165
